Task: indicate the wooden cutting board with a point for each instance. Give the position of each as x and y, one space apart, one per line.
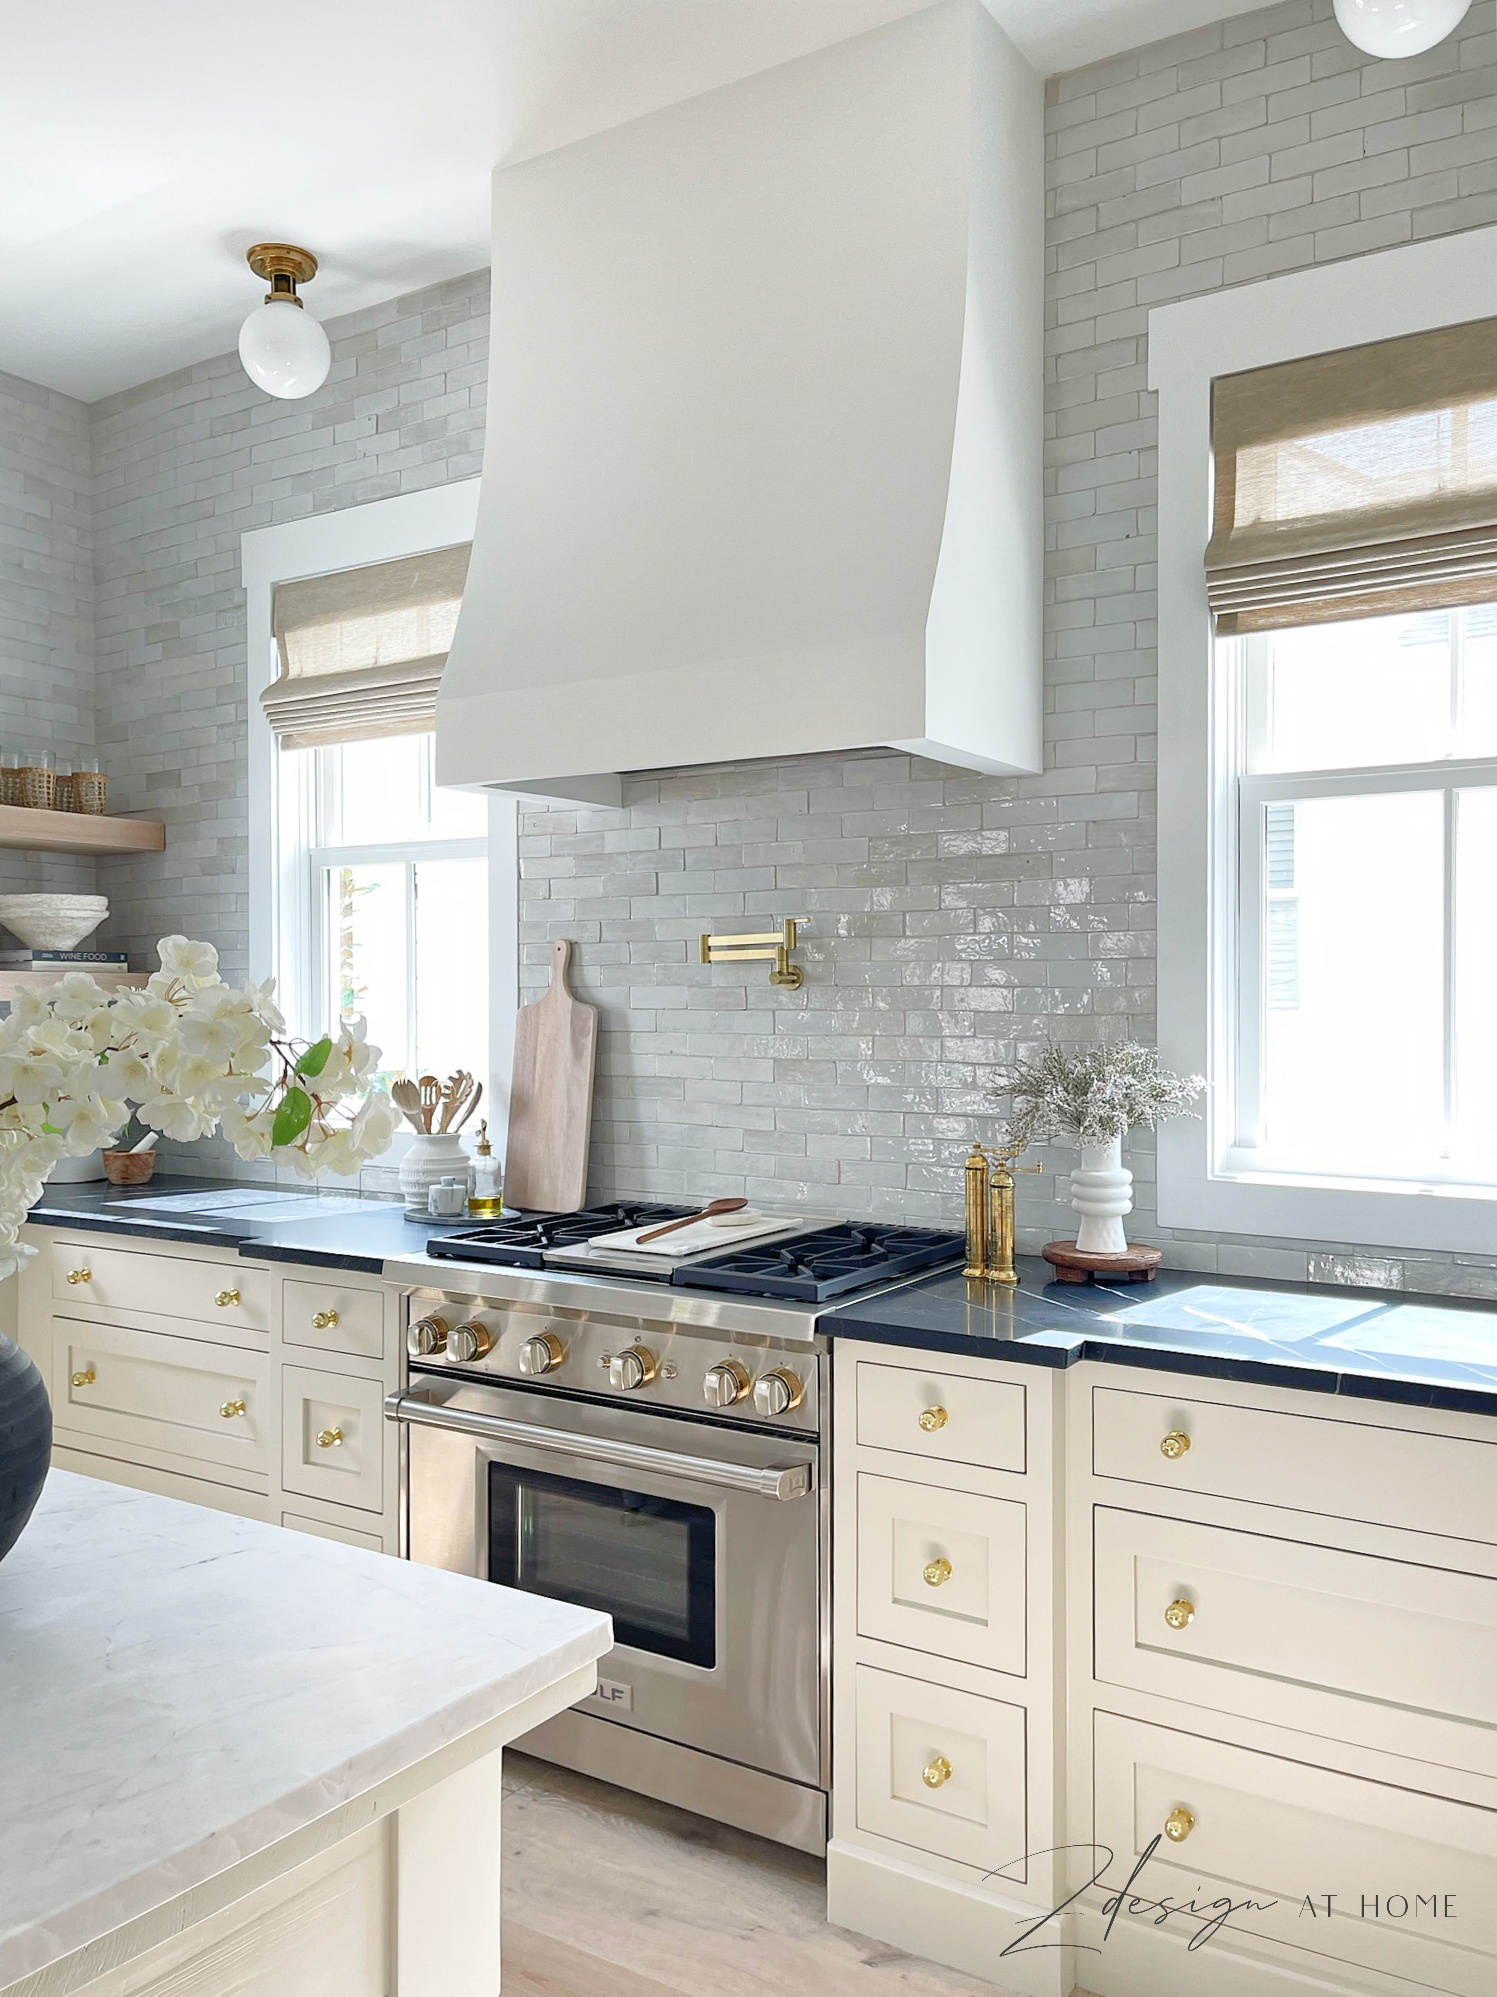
551 1097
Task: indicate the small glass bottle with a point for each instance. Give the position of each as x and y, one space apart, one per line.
486 1200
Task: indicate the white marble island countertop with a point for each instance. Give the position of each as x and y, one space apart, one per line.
181 1689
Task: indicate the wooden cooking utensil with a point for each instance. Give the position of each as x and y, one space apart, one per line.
454 1095
431 1095
407 1099
472 1105
551 1097
717 1206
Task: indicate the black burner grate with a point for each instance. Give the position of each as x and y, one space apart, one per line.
832 1262
523 1243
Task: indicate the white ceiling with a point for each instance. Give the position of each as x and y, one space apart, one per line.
144 148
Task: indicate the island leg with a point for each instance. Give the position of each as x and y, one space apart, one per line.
447 1886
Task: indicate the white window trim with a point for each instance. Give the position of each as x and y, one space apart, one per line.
384 530
1378 297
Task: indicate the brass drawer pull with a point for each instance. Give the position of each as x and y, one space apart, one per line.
232 1408
1178 1825
80 1275
329 1438
324 1320
86 1378
936 1772
225 1298
1175 1444
937 1573
933 1418
1181 1614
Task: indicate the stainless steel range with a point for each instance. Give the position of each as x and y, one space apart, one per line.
646 1438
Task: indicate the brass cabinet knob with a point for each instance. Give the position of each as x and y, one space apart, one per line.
936 1772
933 1418
1181 1614
232 1408
1175 1444
1178 1825
329 1438
80 1275
225 1298
86 1378
324 1320
937 1573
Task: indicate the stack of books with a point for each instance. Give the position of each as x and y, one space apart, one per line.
63 960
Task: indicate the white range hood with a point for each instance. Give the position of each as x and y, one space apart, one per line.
763 466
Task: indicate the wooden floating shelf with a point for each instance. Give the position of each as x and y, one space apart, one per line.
78 832
12 983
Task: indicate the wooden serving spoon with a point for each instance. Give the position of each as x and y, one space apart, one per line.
717 1206
431 1096
407 1099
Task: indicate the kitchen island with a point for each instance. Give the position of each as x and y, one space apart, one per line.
244 1762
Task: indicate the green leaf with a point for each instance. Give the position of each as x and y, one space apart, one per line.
292 1116
315 1059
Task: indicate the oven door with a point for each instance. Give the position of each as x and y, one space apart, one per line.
701 1542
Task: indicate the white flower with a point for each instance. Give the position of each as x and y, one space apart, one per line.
248 1131
374 1126
173 1117
88 1121
144 1018
194 963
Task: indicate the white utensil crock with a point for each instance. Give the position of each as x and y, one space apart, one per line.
426 1163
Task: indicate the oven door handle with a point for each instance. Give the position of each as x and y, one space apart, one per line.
792 1482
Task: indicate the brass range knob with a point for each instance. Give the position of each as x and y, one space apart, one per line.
86 1378
1178 1825
329 1438
724 1384
541 1354
777 1392
324 1320
426 1336
80 1275
1175 1444
470 1341
634 1367
232 1408
933 1418
1181 1614
936 1772
937 1573
226 1298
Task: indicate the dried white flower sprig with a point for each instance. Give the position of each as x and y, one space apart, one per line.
1094 1093
190 1055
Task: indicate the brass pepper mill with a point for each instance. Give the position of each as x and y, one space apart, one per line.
1001 1230
977 1212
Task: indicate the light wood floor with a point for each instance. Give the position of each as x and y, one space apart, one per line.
608 1894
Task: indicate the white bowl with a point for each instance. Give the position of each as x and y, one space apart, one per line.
52 921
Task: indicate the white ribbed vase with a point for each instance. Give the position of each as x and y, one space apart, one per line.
428 1161
1102 1192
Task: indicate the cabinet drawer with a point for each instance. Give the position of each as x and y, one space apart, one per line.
320 1529
327 1317
332 1437
1268 1610
1262 1827
196 1399
945 1417
942 1571
1306 1463
942 1770
226 1295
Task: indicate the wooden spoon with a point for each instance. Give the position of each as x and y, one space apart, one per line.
431 1095
717 1206
407 1099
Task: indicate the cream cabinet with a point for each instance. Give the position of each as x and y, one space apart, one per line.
248 1386
1236 1644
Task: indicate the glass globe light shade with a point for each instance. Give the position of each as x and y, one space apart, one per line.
284 349
1394 28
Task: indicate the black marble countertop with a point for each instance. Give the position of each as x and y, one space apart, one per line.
335 1230
1375 1345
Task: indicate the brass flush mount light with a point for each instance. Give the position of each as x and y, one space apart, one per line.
283 348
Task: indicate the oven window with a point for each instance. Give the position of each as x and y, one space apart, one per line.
650 1563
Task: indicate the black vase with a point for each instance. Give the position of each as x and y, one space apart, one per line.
25 1441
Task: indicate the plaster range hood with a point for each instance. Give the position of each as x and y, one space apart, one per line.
763 467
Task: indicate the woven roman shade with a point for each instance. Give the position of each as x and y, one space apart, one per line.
1359 483
362 651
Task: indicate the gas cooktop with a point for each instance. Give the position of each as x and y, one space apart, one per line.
831 1259
524 1243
